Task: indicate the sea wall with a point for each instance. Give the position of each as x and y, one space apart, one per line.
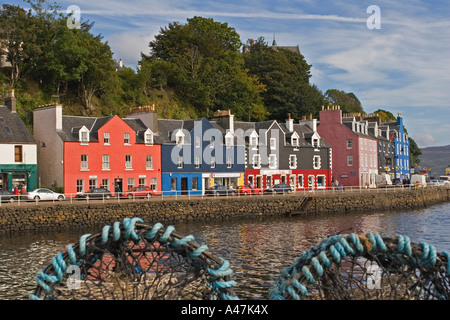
56 217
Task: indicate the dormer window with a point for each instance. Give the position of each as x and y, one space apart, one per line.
148 136
229 140
179 138
84 135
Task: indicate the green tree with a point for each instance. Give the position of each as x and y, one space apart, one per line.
200 61
348 102
285 74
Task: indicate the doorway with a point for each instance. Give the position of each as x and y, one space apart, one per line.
184 187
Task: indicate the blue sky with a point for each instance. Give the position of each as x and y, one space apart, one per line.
403 67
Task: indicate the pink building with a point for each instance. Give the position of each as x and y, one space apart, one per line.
354 151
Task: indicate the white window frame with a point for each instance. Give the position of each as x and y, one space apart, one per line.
128 162
80 185
273 143
106 162
292 161
300 180
349 160
126 139
148 137
84 163
213 162
273 161
229 162
317 162
180 162
197 162
84 135
106 138
149 162
256 161
318 178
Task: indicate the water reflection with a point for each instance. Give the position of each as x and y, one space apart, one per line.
257 250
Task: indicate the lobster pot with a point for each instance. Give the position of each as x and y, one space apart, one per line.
135 261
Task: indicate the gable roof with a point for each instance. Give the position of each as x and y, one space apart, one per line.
12 128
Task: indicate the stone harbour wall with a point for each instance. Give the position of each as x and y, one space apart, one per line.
54 217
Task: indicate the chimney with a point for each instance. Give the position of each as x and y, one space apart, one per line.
10 100
290 123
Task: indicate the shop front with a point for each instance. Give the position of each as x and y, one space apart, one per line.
18 176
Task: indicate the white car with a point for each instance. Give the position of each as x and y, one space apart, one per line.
44 194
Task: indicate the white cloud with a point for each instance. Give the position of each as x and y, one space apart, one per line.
424 140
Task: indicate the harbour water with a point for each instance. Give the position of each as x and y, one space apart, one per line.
257 250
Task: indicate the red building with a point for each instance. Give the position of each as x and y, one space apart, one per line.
85 152
354 151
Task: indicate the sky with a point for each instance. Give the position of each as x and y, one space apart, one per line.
393 55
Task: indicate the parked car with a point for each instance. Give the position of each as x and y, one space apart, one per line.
220 190
44 194
8 196
279 188
397 182
141 191
245 189
95 193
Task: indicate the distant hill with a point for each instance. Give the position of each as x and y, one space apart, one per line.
435 158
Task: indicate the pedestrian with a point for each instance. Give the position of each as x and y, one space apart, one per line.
16 191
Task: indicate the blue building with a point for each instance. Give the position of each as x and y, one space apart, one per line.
402 149
198 154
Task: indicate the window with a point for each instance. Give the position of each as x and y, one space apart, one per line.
149 162
256 161
349 160
213 162
126 138
106 138
197 162
229 162
84 162
153 183
197 141
254 141
180 138
130 183
128 161
292 161
320 181
211 142
349 144
84 136
148 138
229 141
300 181
194 183
273 143
173 184
316 162
315 143
269 181
105 162
294 141
142 182
273 161
18 154
80 185
92 183
180 162
105 183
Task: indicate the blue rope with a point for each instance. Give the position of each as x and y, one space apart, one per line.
60 266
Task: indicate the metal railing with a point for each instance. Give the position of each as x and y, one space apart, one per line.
198 194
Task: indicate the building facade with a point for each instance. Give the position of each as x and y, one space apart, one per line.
289 153
354 151
402 168
86 152
197 155
18 150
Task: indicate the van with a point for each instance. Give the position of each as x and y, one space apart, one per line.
418 179
444 180
383 180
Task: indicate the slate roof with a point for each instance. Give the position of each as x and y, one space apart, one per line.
12 128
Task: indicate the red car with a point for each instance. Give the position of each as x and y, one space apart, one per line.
137 192
247 190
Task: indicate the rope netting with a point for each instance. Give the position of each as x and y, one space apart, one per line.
133 261
366 267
